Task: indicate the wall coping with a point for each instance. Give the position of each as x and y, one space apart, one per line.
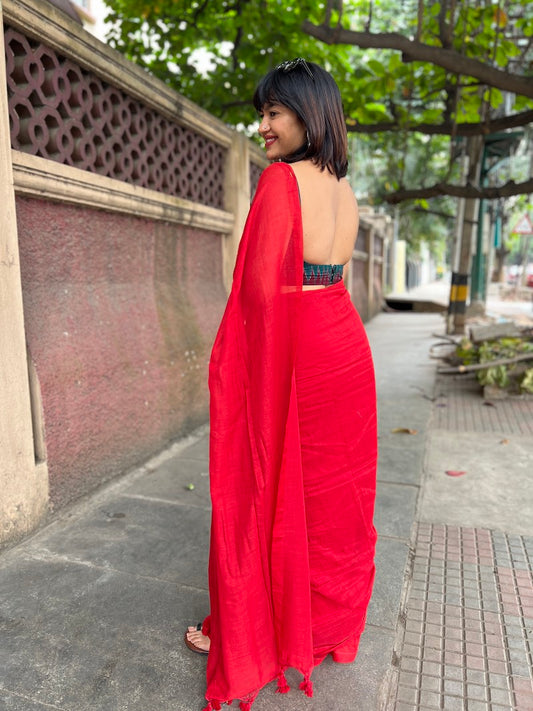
42 178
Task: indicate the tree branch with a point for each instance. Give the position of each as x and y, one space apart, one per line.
446 128
445 30
438 213
416 51
464 191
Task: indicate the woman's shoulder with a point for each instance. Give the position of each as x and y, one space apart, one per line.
276 176
277 170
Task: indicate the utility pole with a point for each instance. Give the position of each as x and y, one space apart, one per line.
461 272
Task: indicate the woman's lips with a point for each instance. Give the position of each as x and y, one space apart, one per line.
269 140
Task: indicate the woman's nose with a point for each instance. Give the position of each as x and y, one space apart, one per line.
263 126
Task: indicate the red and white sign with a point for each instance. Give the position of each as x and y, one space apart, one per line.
524 226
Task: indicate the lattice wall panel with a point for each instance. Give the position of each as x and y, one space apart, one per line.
255 173
64 113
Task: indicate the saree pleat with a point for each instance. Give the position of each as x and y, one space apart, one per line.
337 425
292 541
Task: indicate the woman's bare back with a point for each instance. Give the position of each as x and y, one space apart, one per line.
329 215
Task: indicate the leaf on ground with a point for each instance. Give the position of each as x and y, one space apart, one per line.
504 441
488 403
404 430
455 472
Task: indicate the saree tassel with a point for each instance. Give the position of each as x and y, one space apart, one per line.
212 705
283 686
307 686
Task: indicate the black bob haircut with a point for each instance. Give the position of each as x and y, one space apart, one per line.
311 92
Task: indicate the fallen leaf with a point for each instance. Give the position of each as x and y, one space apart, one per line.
190 487
488 403
403 430
504 441
454 472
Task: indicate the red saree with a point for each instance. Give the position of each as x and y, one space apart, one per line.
292 463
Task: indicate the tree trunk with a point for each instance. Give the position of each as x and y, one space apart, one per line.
500 254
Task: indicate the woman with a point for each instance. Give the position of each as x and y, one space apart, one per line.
293 413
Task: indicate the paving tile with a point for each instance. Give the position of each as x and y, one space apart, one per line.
475 663
408 678
453 703
522 668
432 629
411 664
433 655
498 681
414 625
453 687
497 667
413 637
453 658
452 671
456 633
474 691
411 650
430 699
430 683
433 641
407 694
431 668
475 705
523 684
473 636
500 696
475 676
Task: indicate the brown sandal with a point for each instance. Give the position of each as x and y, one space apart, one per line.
192 646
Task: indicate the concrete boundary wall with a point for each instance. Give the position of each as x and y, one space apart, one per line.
42 463
370 263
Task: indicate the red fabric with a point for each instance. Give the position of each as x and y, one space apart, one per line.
265 579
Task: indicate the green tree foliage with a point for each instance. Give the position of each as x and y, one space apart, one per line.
415 76
215 51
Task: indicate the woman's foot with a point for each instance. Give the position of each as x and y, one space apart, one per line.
196 641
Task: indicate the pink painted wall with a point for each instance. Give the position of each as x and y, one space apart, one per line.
120 316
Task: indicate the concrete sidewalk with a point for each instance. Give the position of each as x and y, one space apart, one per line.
93 608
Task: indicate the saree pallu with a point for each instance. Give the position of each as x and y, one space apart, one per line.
292 463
